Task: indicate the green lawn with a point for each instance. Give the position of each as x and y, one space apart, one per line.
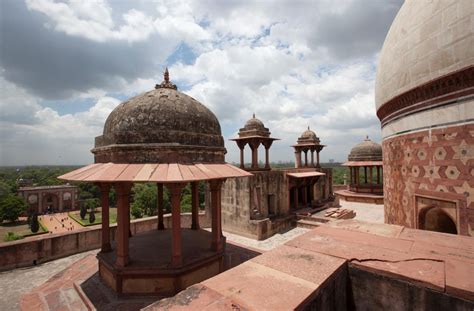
98 217
19 228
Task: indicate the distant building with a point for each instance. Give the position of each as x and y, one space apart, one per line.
44 199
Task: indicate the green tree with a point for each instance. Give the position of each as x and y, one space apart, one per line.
144 198
136 211
34 226
5 189
11 207
83 211
92 216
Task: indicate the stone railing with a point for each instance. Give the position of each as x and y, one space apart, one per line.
38 249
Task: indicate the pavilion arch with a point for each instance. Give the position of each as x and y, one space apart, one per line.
50 202
434 218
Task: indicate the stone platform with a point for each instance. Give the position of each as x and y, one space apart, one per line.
345 265
352 196
342 265
149 271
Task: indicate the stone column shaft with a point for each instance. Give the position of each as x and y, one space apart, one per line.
317 159
295 197
267 158
242 163
215 186
123 223
176 244
104 203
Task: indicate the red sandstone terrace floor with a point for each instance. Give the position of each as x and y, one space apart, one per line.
289 276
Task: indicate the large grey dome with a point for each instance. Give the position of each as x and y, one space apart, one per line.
161 120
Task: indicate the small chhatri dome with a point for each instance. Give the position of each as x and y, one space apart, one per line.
254 124
308 135
254 127
366 151
160 126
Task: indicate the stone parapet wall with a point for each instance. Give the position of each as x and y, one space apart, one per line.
39 249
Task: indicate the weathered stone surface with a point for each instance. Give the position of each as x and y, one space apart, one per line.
159 126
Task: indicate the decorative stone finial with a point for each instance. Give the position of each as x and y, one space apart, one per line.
367 137
254 115
166 75
166 82
308 127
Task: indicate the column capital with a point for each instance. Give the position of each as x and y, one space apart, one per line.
123 188
216 184
104 187
175 188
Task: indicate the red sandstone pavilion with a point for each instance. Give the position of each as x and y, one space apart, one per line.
168 138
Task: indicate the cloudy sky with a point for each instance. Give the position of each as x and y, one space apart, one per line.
64 65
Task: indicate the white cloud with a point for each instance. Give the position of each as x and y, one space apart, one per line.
93 20
292 63
32 134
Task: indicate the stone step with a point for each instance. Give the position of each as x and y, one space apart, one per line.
308 224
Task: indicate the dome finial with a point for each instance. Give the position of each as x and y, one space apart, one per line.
308 127
253 115
166 75
366 137
166 84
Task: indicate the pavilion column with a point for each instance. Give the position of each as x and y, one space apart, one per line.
195 206
241 144
378 175
357 169
267 144
350 175
305 196
370 175
298 158
176 243
312 158
123 223
295 195
104 203
215 186
365 174
306 158
267 158
254 147
160 206
317 158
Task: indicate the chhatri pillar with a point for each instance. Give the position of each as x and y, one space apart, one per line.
104 203
176 247
123 223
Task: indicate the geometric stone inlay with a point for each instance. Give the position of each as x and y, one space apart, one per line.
452 172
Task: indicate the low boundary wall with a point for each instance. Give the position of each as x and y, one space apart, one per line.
38 249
